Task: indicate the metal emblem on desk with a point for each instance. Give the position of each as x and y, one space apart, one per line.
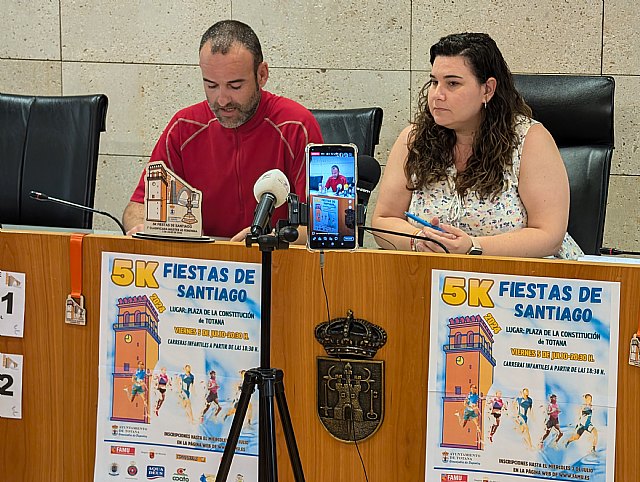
350 385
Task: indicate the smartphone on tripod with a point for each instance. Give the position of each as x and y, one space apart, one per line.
331 196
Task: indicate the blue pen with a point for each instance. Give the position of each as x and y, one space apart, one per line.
423 222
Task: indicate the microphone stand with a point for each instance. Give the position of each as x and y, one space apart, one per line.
267 379
43 197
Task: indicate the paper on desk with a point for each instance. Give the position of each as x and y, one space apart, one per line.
10 386
12 304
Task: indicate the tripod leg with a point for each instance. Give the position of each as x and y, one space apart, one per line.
287 427
248 386
268 466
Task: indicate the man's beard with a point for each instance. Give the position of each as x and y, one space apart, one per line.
244 112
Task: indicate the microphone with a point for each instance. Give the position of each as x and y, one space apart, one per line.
271 191
43 197
614 251
368 176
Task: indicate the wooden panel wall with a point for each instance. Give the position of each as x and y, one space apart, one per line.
56 436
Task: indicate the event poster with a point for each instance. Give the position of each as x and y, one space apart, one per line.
326 215
176 336
522 378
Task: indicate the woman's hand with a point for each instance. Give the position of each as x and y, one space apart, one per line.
454 239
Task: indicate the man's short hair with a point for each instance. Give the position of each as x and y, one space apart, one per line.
222 35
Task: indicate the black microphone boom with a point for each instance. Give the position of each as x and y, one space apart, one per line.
43 197
262 214
615 252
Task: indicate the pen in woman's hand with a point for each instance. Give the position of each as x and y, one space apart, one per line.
423 222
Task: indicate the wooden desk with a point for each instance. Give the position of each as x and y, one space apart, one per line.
55 440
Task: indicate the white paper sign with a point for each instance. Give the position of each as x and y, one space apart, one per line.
10 386
12 304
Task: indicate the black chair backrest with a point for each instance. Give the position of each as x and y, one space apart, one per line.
578 112
49 144
359 126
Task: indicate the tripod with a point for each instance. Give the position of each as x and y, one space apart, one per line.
267 379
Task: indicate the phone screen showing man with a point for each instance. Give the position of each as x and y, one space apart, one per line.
331 196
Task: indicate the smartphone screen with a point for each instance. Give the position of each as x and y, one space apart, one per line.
331 196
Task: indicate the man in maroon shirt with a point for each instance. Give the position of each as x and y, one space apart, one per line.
337 181
221 146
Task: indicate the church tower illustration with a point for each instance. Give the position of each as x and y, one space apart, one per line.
157 192
469 361
136 340
165 191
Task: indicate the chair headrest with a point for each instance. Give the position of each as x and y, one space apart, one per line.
360 126
576 109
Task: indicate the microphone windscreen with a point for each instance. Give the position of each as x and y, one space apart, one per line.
275 182
368 172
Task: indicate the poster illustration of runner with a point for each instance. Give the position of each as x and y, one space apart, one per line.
176 336
522 378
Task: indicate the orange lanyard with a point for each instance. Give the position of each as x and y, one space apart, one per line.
75 262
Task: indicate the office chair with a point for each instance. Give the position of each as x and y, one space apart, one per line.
49 144
362 128
359 126
578 112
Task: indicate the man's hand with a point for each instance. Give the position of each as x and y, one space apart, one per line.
136 229
239 238
133 218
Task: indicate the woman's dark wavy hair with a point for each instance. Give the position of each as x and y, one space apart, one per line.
431 146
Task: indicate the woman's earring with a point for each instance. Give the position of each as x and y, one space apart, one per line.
485 104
